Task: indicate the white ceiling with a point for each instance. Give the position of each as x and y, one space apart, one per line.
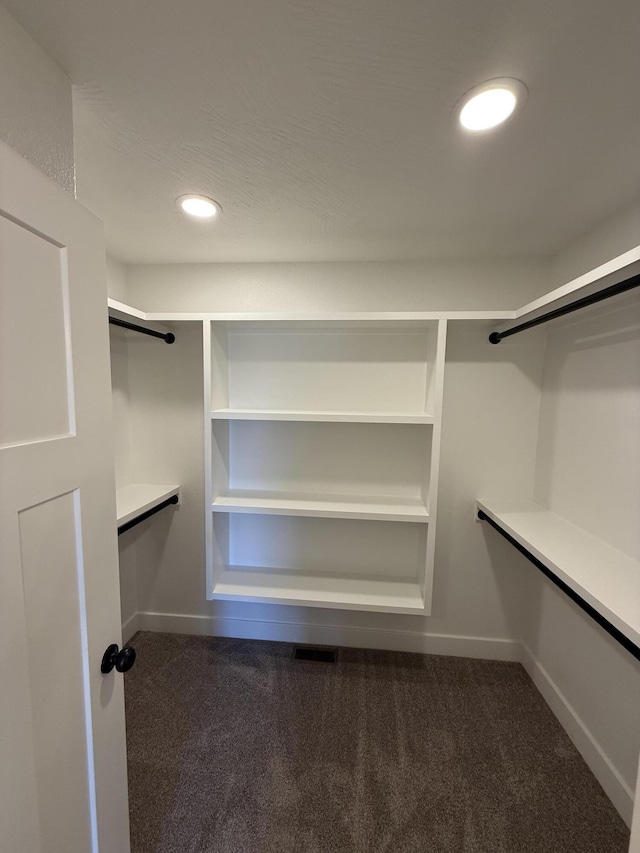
323 127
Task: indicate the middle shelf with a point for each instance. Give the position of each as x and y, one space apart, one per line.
340 470
371 507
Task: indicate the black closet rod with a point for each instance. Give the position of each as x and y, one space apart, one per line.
614 632
168 338
606 293
145 515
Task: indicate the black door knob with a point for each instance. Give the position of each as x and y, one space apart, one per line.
122 660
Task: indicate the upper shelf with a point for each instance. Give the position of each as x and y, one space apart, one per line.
604 577
136 499
321 417
334 320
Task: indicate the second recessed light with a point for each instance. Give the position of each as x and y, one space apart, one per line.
199 206
491 103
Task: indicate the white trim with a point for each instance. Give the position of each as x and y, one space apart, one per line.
332 635
634 844
130 627
598 762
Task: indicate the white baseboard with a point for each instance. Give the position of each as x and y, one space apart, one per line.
598 762
409 641
331 635
130 627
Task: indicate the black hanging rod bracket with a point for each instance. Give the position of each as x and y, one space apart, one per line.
606 293
614 632
167 337
145 515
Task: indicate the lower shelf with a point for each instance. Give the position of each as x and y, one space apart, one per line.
274 586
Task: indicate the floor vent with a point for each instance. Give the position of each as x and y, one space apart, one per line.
319 655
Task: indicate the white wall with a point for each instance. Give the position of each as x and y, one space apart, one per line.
35 104
589 439
117 280
611 238
400 286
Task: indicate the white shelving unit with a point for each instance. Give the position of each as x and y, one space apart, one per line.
134 500
322 440
604 577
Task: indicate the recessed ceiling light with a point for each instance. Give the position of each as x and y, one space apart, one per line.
489 104
199 206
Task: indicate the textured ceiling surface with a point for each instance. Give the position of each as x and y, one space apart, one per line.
324 129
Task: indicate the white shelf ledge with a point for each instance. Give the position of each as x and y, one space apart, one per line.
321 417
613 272
335 320
369 507
604 577
124 311
276 586
133 500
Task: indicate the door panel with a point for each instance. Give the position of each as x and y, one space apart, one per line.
63 780
36 400
50 536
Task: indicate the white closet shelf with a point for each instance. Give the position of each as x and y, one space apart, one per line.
133 500
321 417
369 507
277 586
604 577
335 320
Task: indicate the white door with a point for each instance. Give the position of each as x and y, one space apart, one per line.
63 786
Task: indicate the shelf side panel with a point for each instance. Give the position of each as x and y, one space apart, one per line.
218 392
207 440
432 463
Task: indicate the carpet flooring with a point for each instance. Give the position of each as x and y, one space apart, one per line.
234 747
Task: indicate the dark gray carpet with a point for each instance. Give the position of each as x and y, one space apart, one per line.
236 748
